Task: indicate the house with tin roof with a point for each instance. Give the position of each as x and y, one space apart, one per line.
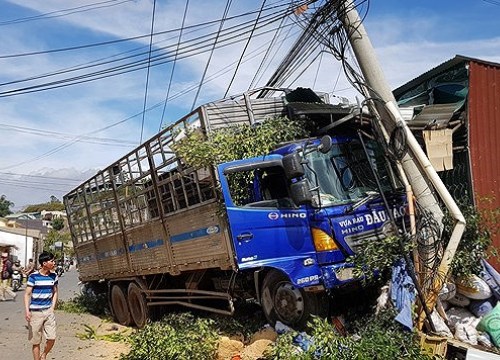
454 112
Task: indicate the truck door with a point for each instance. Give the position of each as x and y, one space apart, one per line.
265 224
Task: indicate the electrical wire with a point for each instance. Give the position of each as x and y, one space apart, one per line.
266 55
302 48
134 38
79 139
149 67
13 182
245 48
224 16
263 69
179 94
17 185
65 12
317 70
59 135
75 140
230 39
38 176
173 65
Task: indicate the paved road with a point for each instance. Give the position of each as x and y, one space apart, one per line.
68 285
13 331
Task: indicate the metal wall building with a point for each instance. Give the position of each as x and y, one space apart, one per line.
461 98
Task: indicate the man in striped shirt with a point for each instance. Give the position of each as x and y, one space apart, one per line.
40 300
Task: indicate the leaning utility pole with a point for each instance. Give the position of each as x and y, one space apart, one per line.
425 182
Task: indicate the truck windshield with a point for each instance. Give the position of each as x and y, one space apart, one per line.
343 175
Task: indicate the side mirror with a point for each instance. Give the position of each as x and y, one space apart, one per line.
325 144
292 164
301 192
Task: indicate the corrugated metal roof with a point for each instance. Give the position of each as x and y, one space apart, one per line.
439 69
433 117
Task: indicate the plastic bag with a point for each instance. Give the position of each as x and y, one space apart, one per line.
448 291
460 316
481 308
491 324
466 333
474 288
441 328
459 300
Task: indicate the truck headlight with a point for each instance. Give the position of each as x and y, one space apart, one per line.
323 241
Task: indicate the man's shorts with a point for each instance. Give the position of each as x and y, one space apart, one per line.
42 321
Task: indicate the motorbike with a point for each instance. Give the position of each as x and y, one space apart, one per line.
16 280
59 270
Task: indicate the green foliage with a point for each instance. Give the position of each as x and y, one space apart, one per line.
58 224
378 255
91 333
54 199
48 206
177 336
241 323
375 337
55 236
237 142
5 206
185 336
476 240
88 302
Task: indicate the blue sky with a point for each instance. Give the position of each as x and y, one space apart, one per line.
43 149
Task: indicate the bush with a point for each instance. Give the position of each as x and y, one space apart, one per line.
87 302
375 257
373 337
476 240
177 336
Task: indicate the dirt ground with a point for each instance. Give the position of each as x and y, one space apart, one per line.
79 337
74 333
14 334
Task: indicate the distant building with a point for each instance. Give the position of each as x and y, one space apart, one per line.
22 234
48 216
21 244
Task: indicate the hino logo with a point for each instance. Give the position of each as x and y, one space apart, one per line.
275 216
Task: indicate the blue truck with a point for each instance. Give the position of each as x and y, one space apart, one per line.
148 229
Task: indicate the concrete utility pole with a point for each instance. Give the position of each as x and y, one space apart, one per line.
417 167
379 88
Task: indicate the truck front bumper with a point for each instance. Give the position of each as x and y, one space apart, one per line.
337 275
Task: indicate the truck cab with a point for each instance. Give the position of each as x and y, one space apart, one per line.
300 212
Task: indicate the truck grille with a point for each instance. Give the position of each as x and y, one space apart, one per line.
356 241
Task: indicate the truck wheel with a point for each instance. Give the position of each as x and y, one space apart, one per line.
119 305
137 305
283 301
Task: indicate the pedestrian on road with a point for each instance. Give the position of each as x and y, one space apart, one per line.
40 300
30 268
5 275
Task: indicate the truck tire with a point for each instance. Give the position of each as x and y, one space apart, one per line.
137 305
283 301
119 305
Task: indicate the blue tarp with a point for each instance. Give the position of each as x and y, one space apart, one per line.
403 294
